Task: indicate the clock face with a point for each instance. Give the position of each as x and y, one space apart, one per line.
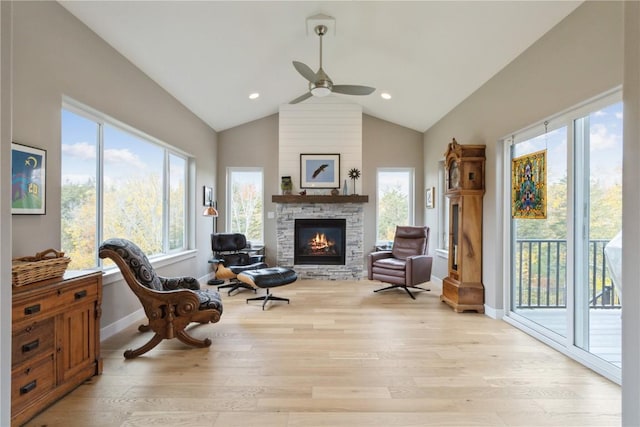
454 175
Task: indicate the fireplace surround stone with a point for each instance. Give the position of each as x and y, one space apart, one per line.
353 213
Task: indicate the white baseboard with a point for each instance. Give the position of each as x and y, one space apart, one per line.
122 324
493 312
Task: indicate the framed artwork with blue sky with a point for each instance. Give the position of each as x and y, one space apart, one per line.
319 170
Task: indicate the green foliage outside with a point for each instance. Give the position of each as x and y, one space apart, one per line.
544 268
78 215
393 210
132 210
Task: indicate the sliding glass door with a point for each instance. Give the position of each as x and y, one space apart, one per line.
598 224
566 206
539 229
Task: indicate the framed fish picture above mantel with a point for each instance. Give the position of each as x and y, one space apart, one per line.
319 170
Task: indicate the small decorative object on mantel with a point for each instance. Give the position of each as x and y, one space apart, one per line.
345 190
286 185
303 193
354 174
335 192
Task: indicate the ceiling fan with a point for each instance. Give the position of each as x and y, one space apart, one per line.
319 83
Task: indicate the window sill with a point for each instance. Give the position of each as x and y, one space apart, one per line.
112 274
442 253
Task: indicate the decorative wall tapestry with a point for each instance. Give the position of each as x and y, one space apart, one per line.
529 186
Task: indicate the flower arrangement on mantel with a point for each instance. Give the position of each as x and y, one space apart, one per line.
354 174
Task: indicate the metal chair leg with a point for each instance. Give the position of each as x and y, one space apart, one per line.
267 297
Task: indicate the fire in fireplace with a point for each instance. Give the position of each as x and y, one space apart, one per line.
320 241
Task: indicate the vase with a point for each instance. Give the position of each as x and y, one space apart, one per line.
286 185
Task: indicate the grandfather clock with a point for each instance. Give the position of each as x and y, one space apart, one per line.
462 289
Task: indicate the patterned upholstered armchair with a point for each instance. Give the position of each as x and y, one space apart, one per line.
170 304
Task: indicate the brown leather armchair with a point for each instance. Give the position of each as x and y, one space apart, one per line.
407 264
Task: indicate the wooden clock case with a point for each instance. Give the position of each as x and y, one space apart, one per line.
462 289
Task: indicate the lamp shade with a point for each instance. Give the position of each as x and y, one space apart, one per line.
210 211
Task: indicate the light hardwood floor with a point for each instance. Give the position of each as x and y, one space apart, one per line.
340 355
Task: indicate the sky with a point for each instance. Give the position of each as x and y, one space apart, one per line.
125 155
605 147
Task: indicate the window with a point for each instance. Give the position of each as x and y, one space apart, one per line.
177 196
118 182
395 201
245 201
443 207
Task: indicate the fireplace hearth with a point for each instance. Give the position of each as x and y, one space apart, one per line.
320 241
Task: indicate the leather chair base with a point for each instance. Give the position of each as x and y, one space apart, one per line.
268 278
406 288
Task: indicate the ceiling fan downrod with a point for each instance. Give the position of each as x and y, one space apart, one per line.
322 86
321 30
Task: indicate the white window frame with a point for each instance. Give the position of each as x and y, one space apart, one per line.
101 120
411 195
443 209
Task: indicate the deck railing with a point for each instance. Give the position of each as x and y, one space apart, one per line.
541 275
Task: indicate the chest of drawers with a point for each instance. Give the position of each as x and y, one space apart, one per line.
55 340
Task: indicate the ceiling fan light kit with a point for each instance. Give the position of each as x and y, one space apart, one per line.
319 82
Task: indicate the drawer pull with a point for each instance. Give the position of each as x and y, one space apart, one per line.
32 309
29 387
81 294
30 346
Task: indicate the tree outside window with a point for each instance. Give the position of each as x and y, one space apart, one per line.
116 183
395 201
246 202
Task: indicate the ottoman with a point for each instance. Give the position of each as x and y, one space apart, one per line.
267 278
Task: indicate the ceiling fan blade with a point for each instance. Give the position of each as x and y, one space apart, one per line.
306 72
353 89
301 98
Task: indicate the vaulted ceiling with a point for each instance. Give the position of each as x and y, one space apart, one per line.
429 56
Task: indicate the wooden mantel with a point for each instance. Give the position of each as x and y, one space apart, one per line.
312 198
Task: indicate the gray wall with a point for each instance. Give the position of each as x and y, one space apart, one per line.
630 223
55 55
384 144
252 144
580 58
5 212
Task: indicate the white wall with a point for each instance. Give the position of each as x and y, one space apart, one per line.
327 125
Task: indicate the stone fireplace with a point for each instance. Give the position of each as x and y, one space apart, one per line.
319 241
351 214
328 125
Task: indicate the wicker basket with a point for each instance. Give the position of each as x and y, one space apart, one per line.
44 265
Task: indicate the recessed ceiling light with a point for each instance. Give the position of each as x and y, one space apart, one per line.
385 95
254 95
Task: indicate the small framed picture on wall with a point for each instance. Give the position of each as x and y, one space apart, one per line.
429 197
207 196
